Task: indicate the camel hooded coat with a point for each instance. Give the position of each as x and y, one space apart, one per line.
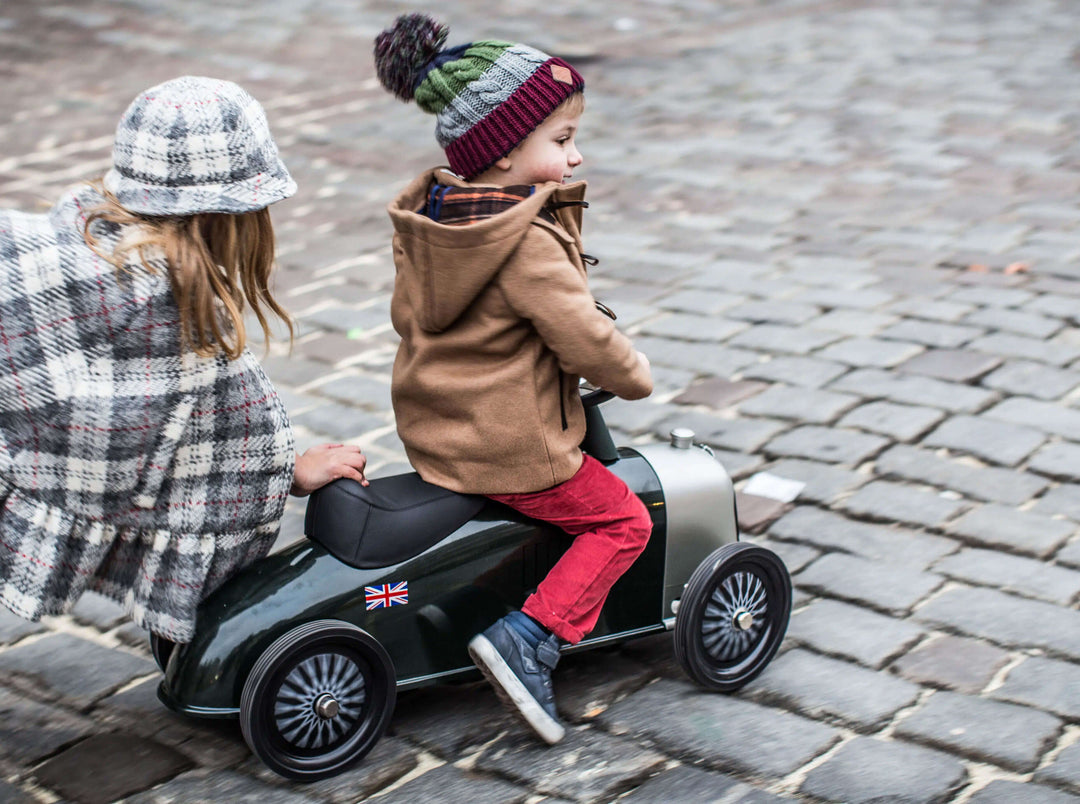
497 324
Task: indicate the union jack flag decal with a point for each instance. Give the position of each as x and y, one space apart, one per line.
386 595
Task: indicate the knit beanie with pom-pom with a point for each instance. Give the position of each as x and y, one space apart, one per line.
487 96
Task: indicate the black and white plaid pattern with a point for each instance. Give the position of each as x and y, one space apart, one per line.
127 465
193 145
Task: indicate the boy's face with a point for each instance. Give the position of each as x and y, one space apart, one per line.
548 154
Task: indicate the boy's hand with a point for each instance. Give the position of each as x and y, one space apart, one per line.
324 463
644 361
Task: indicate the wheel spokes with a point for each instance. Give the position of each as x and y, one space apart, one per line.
722 631
319 677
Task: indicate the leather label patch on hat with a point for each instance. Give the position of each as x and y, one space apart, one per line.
562 74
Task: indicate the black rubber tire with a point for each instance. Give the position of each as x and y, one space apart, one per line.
277 714
709 646
162 649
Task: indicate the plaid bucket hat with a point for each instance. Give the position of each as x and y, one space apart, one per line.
193 145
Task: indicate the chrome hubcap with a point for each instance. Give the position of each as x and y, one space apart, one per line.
734 616
320 701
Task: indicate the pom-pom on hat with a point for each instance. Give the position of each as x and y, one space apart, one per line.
487 96
193 145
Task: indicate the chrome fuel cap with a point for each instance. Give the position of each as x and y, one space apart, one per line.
682 438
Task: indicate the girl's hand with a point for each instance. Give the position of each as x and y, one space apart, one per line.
324 463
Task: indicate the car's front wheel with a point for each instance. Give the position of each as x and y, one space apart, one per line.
732 616
317 700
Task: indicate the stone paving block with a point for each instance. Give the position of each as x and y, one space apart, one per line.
359 391
1005 619
824 481
773 338
1069 555
1045 416
1063 500
942 336
997 442
830 530
852 322
717 393
1064 769
99 611
1024 576
1051 352
1047 684
448 721
589 682
388 761
1021 323
1025 378
30 730
1003 791
914 390
1060 459
616 764
867 769
870 352
694 327
818 687
636 417
981 482
702 302
236 788
695 356
795 556
339 422
1005 734
827 444
685 783
944 310
1017 531
849 632
885 587
60 661
13 627
900 422
808 372
809 405
9 794
991 296
952 662
885 501
134 764
717 731
951 365
774 311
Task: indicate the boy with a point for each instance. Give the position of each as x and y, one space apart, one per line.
497 325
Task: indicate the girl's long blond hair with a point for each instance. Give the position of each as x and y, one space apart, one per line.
219 265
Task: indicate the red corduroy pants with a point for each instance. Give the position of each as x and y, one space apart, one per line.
610 526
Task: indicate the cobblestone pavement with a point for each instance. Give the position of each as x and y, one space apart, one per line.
810 215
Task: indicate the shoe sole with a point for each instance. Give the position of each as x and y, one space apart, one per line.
512 692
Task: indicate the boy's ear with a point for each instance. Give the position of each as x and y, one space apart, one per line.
503 163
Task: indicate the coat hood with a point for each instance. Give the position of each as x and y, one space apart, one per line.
446 266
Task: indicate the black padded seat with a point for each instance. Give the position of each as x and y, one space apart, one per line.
389 521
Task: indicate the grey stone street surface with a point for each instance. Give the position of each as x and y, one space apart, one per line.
847 234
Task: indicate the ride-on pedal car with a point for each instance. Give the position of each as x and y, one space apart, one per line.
309 646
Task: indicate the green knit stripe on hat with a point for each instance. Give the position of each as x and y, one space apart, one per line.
441 86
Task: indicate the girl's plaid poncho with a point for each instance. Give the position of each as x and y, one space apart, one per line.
127 465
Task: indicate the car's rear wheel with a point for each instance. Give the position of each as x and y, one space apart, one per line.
317 700
732 616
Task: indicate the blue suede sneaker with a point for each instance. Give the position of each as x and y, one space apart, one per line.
521 675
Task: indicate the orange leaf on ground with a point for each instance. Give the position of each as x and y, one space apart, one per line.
978 268
1017 268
